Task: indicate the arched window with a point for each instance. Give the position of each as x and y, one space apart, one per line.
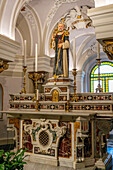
106 77
1 101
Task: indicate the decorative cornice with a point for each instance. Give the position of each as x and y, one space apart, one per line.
8 48
108 47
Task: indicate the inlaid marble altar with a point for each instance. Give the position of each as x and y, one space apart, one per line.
72 134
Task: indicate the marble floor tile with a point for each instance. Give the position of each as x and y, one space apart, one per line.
37 166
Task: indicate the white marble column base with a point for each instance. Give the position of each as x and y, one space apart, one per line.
78 165
100 164
89 162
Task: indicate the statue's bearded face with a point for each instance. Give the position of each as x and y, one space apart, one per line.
60 27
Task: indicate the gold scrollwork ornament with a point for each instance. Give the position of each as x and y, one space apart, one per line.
3 65
108 48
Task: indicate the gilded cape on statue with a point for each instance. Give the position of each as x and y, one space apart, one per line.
61 66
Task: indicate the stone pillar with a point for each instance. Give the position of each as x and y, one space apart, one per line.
73 142
20 133
83 149
79 80
44 64
92 132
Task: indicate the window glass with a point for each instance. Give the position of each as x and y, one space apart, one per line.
106 77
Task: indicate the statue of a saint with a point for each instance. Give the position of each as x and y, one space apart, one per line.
61 45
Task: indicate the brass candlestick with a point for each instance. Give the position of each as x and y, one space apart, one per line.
67 107
35 76
37 105
99 89
75 97
24 82
38 78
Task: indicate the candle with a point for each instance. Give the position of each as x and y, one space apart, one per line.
36 56
67 94
37 94
74 54
24 52
98 50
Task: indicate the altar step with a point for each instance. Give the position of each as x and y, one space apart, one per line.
35 166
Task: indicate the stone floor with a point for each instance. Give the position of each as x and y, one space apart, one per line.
37 166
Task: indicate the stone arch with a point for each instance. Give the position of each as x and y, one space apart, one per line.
7 18
87 66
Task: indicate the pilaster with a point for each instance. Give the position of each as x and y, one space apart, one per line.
79 80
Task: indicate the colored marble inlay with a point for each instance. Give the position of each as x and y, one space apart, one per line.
26 142
48 98
15 123
63 89
59 80
51 152
54 135
65 148
34 131
52 107
90 107
63 98
88 142
47 90
92 97
24 106
24 98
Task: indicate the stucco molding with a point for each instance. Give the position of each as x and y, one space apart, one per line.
8 48
56 6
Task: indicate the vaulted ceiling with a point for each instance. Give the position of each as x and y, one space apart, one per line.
35 20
